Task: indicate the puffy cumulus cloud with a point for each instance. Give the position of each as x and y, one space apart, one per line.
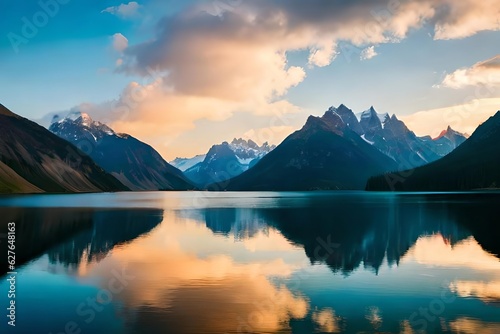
368 53
222 65
464 118
242 54
460 19
156 114
482 73
120 42
323 54
257 32
124 10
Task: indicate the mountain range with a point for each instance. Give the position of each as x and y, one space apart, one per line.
227 160
393 138
136 164
325 154
473 165
32 160
340 150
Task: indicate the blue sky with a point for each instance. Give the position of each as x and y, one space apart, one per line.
234 68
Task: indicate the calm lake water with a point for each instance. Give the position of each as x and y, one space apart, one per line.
332 262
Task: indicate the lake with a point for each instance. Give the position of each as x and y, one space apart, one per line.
200 262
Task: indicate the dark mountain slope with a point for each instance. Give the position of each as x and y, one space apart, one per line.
44 162
134 163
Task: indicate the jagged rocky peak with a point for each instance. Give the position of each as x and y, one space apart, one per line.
333 119
76 116
372 113
449 132
266 145
396 128
349 119
370 121
369 113
442 134
245 143
391 120
239 144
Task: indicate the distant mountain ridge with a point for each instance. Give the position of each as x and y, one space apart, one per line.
134 163
227 160
473 165
325 154
184 164
32 159
393 138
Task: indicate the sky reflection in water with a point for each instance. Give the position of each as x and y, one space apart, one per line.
260 262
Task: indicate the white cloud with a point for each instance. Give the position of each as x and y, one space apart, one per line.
368 53
464 18
323 54
464 117
128 10
120 42
483 73
272 134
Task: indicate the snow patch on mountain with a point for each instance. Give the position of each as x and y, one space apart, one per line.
185 163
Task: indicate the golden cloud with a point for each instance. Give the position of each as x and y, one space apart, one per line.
482 73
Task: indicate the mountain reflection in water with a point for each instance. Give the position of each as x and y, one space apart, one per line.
353 264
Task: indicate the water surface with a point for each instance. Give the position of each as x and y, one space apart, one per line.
197 262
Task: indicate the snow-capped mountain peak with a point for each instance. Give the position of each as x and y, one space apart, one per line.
449 132
248 150
78 123
227 160
371 113
86 120
185 163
